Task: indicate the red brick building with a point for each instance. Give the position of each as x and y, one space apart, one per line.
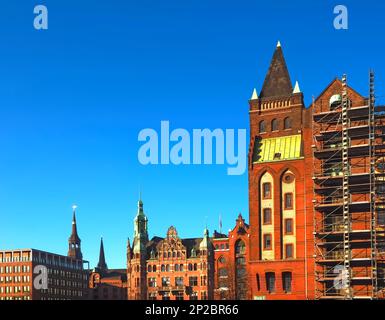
281 246
168 268
22 271
107 284
231 263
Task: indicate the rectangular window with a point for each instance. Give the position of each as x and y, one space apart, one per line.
266 187
288 201
193 281
287 281
179 281
289 226
266 216
270 282
152 282
165 281
267 242
289 251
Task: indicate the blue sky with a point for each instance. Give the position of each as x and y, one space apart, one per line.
73 99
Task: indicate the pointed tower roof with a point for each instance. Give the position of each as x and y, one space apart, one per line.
102 259
205 243
277 82
74 234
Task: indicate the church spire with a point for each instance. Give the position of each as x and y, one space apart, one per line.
102 265
277 82
74 248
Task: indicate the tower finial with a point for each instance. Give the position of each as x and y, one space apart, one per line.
278 44
254 96
296 88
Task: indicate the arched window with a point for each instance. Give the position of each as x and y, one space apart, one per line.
240 247
335 101
154 268
168 268
181 267
149 269
163 268
274 125
195 267
262 126
190 267
287 123
176 267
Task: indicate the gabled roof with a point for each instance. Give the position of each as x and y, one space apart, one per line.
277 82
336 80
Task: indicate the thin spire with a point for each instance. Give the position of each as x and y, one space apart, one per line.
102 259
278 44
74 234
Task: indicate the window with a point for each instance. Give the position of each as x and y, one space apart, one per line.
335 101
152 282
176 267
289 226
266 187
270 282
179 281
240 247
266 216
287 281
163 268
179 296
165 281
241 261
194 296
181 267
289 251
222 259
193 281
274 125
262 127
267 242
288 200
287 123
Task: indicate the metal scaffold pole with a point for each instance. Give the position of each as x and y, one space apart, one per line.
345 189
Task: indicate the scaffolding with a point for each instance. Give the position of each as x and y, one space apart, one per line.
349 196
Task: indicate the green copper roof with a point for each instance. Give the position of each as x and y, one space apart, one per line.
278 149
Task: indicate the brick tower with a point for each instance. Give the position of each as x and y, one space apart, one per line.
280 189
136 258
74 247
